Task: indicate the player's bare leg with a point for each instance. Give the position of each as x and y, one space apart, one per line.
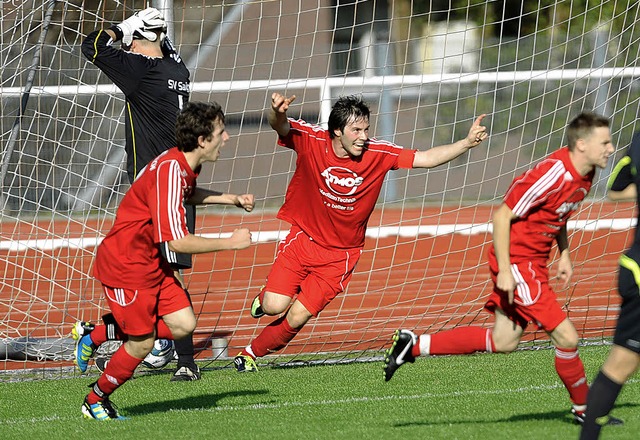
187 369
277 334
506 334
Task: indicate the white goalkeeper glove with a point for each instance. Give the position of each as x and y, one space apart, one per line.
153 20
143 24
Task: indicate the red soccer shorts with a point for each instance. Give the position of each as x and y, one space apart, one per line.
316 274
534 300
137 311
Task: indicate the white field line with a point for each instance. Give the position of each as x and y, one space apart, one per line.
48 244
324 402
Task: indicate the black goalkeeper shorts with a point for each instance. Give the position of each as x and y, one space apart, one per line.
627 333
181 261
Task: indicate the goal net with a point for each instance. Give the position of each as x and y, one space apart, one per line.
427 69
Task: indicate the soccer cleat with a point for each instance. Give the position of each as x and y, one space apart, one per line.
399 352
102 410
578 418
85 347
256 308
184 374
245 364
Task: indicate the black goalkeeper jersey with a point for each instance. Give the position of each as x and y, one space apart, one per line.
624 174
155 90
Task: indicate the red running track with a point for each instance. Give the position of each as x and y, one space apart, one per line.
423 282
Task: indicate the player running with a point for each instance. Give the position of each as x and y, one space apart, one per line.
338 177
144 296
155 83
533 216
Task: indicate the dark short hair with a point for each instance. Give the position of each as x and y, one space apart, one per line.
196 119
345 109
582 125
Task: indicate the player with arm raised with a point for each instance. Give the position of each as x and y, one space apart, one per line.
152 77
624 358
145 298
155 82
338 177
532 217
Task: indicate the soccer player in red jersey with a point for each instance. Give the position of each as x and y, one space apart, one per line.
143 294
532 216
624 358
338 177
155 83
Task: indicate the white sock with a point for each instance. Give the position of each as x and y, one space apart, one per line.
425 345
250 351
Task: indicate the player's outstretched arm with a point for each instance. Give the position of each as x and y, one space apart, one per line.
442 154
195 244
277 115
203 196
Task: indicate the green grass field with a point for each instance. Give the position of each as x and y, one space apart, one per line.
516 396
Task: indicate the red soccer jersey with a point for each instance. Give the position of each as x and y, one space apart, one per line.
543 199
151 212
331 198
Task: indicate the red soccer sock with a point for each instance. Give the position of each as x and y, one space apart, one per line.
99 334
274 337
119 369
571 371
460 340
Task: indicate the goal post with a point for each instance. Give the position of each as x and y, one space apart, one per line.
427 73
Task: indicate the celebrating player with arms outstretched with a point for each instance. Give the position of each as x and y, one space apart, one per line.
338 178
532 217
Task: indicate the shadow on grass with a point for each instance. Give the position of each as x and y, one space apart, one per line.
203 401
563 416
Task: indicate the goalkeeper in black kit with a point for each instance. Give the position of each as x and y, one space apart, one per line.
155 83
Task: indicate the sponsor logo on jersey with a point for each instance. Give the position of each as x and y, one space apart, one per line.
341 181
181 86
572 203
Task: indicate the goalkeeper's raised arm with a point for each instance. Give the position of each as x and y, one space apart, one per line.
154 80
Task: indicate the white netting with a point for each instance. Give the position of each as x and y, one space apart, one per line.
426 72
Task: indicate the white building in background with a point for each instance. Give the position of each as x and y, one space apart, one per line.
447 47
